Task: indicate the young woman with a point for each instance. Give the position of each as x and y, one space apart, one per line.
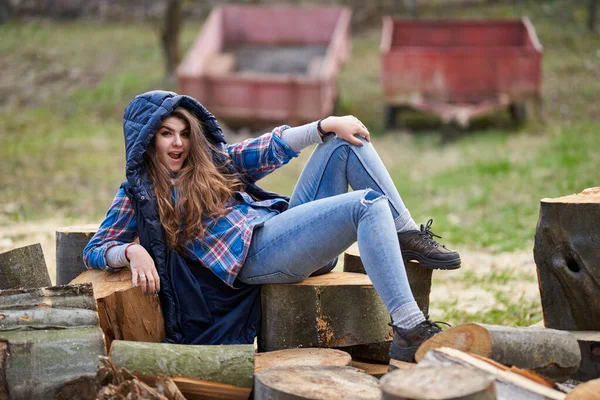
209 236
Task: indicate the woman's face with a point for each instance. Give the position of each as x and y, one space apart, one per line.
173 143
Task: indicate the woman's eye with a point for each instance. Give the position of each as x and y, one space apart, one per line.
165 133
185 134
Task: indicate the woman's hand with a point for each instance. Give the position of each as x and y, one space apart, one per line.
346 127
143 269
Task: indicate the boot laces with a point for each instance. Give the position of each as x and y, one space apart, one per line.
428 236
433 327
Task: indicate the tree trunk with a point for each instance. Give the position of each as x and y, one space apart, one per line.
548 352
332 310
592 15
297 357
586 391
227 364
441 382
24 267
124 312
170 35
510 385
418 278
306 382
566 255
47 336
70 242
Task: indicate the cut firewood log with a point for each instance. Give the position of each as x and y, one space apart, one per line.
70 242
510 385
373 369
586 391
397 364
224 364
307 382
566 256
125 312
47 336
418 278
296 357
440 382
549 352
24 267
313 313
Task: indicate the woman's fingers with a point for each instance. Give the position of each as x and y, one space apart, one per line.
156 280
143 282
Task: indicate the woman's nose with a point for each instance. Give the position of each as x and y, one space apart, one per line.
177 140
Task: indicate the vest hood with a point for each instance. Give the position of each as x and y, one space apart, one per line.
144 115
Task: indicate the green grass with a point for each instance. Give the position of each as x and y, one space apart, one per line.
64 87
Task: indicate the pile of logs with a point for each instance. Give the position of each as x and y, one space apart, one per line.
324 338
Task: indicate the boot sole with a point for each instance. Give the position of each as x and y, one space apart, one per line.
431 264
406 354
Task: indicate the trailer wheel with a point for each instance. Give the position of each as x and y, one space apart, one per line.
391 117
518 113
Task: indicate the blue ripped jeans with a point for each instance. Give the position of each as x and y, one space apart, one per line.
324 219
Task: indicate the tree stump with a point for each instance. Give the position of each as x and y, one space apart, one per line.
511 384
307 382
24 267
438 382
418 278
47 336
548 352
567 259
297 357
332 310
231 365
124 312
70 242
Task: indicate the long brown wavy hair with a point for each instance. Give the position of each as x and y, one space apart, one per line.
201 187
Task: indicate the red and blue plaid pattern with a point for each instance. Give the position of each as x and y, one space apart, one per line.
227 239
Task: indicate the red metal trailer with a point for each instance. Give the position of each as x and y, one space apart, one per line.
459 69
213 73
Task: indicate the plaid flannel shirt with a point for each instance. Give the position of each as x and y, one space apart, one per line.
224 247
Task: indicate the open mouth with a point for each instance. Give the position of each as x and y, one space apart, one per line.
175 156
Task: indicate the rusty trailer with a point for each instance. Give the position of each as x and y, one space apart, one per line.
459 69
256 65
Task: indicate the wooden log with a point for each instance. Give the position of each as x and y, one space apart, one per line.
228 364
565 252
313 313
54 307
510 384
418 278
38 362
566 256
374 369
308 382
440 382
397 364
297 357
24 267
551 353
586 391
70 242
124 312
47 336
378 352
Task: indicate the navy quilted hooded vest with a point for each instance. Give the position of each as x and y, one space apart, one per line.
198 308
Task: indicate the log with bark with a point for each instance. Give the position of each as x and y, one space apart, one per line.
24 267
549 352
297 357
418 278
440 382
47 336
224 366
125 312
565 252
70 242
333 310
511 384
308 382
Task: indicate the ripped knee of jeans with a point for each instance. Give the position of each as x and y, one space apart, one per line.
371 196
